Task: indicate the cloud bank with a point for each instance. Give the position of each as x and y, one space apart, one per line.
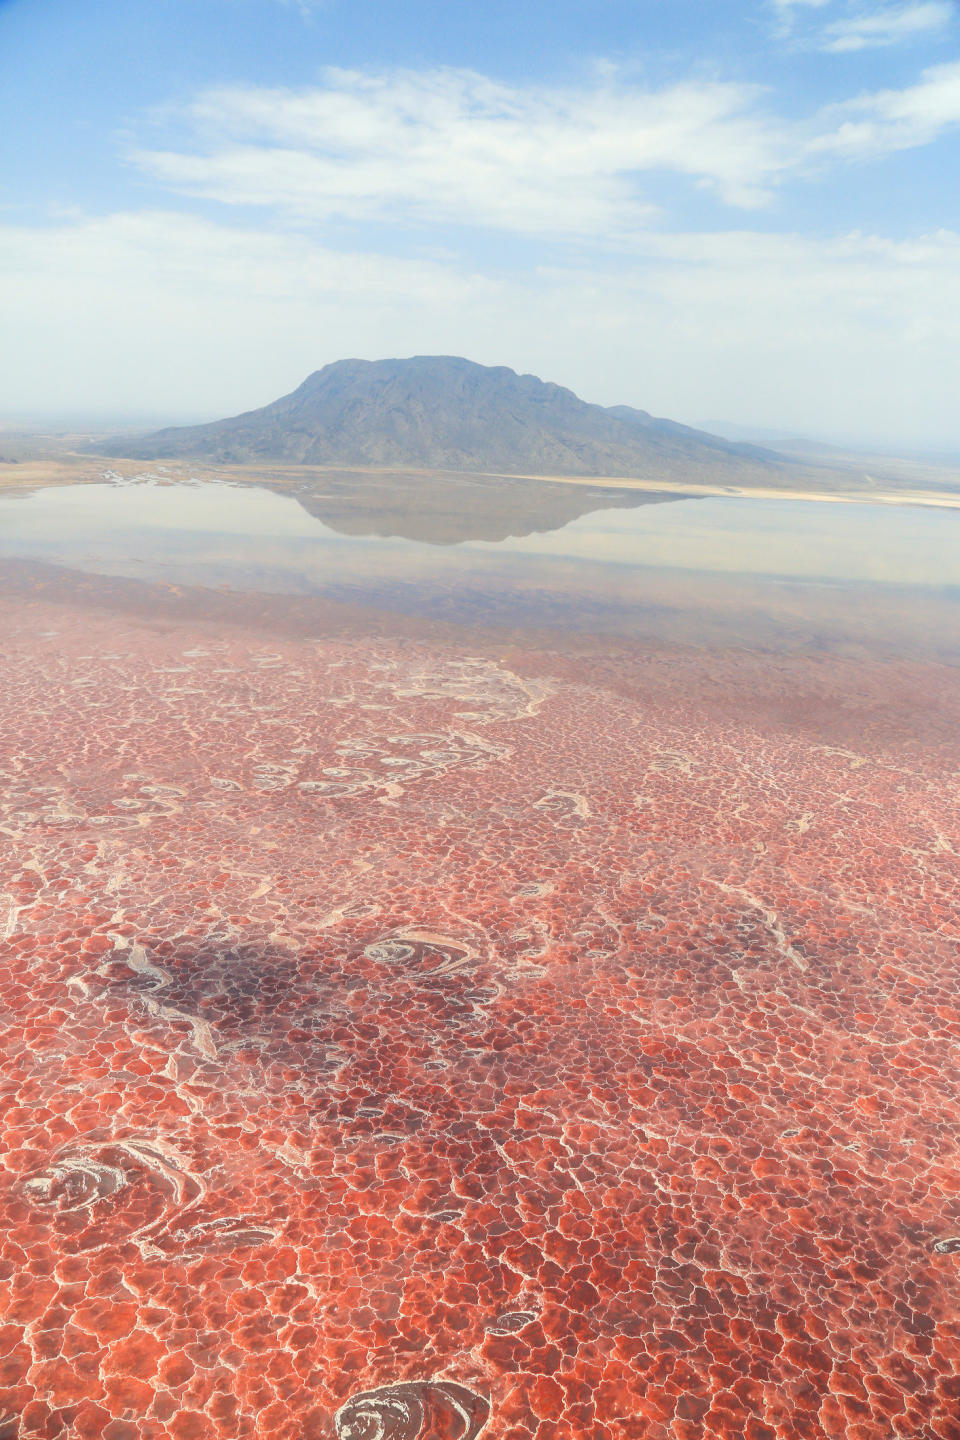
170 314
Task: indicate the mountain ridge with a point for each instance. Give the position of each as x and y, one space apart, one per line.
445 412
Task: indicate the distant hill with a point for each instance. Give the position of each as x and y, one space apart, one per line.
783 441
442 412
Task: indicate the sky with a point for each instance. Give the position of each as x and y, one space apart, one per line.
739 212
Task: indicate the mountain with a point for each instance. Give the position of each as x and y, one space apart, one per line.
442 412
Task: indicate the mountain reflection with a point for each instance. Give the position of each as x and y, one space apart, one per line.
441 510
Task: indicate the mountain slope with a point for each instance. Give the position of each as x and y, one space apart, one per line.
442 412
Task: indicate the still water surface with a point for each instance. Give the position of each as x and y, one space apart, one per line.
612 568
155 529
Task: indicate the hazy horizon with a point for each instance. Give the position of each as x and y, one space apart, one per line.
52 423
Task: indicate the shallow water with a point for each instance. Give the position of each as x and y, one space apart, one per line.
252 535
778 573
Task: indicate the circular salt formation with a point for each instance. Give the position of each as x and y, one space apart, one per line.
510 1323
100 1194
390 952
418 951
416 1410
74 1182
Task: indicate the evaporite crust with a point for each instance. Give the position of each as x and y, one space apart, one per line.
409 1042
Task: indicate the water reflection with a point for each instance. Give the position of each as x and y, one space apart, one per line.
452 509
779 573
422 509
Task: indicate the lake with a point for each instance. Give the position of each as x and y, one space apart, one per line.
706 567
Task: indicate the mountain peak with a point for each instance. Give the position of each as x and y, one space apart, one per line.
445 412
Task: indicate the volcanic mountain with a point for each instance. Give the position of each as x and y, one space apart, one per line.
442 412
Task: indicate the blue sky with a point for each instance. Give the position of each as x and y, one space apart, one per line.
740 211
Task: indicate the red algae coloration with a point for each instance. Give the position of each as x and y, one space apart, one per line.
408 1041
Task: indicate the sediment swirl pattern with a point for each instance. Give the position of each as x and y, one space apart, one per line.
417 1410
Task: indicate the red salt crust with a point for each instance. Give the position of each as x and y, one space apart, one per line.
404 1036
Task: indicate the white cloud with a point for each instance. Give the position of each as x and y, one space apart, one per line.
450 146
891 120
170 314
887 26
863 26
788 14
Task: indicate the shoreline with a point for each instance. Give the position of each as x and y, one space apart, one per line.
73 469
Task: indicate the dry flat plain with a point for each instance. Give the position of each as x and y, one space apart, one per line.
414 1036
